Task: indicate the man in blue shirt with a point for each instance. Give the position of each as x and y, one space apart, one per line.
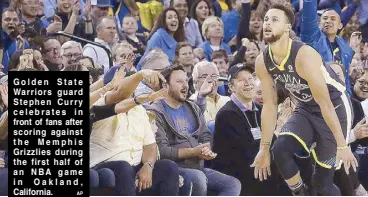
183 137
12 41
324 37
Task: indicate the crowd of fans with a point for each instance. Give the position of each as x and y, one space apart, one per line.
175 104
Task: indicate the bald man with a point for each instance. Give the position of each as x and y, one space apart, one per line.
322 36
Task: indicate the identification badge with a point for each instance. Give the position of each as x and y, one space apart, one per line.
256 132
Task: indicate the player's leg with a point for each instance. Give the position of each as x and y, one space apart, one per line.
323 181
326 147
294 137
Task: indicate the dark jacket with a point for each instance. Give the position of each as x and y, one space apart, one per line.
236 149
169 140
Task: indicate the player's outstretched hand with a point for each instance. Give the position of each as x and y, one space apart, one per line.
261 165
347 157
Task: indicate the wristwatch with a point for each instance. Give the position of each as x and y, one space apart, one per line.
149 163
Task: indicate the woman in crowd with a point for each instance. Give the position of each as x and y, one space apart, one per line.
247 53
166 34
213 31
255 28
191 27
251 53
200 10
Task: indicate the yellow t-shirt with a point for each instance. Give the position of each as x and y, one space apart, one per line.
121 137
149 12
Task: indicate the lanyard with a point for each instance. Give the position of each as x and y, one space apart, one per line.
255 117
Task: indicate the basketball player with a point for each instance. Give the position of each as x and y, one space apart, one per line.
321 121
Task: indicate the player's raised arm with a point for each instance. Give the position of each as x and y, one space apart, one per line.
311 71
268 117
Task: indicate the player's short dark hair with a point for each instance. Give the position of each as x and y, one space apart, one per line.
287 10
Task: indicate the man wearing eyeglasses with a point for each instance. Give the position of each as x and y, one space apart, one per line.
51 49
155 60
361 88
205 77
70 51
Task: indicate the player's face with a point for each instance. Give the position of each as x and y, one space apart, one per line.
330 22
275 25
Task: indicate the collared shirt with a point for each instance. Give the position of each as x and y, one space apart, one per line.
121 137
192 32
241 106
98 54
212 106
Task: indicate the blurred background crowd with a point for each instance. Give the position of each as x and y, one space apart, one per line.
175 104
